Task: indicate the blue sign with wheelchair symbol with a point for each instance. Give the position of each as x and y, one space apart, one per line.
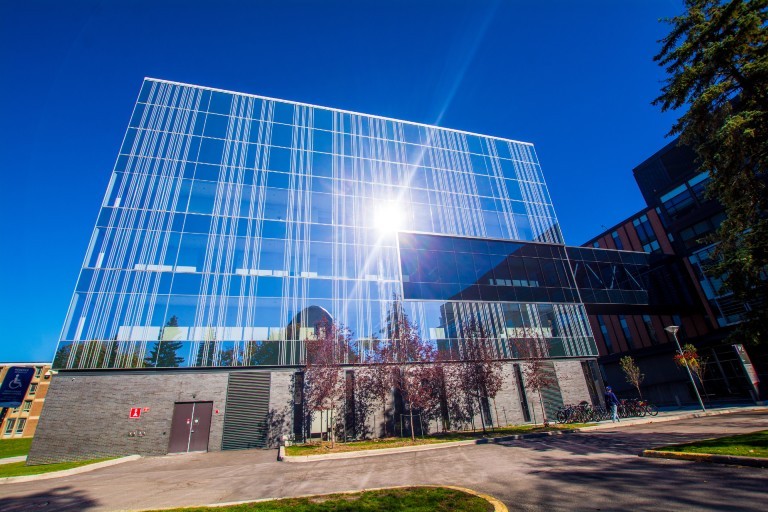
15 386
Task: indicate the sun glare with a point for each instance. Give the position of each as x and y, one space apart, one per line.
388 217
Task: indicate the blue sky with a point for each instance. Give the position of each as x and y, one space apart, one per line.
574 78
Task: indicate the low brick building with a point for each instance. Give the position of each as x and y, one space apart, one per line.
22 421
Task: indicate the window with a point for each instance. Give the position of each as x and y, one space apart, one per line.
698 186
9 426
625 330
651 331
38 371
32 389
617 240
27 406
606 337
645 234
678 202
20 425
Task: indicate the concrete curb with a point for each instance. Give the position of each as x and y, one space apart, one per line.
68 472
663 418
498 506
754 462
11 460
515 437
421 447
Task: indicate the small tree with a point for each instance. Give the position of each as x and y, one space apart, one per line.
374 377
479 373
533 350
698 365
322 369
632 373
406 356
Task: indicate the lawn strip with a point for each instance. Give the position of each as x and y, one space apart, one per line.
398 442
21 468
14 447
399 499
743 445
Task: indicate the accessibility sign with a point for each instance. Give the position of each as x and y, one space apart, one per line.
15 385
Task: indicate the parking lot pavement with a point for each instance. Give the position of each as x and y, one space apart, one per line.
584 471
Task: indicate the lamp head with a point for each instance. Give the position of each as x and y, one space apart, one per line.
672 328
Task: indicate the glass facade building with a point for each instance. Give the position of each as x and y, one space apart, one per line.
232 223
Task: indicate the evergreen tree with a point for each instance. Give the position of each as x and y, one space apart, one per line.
716 56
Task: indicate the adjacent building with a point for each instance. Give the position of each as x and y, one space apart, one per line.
21 421
673 229
233 223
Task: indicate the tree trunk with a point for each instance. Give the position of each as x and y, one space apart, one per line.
543 412
332 434
410 410
482 413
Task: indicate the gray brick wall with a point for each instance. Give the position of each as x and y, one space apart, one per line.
508 410
573 385
280 405
86 415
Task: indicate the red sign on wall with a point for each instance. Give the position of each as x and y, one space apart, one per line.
135 412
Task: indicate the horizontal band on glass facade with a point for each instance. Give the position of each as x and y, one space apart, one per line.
231 220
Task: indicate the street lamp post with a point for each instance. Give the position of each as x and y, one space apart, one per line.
673 329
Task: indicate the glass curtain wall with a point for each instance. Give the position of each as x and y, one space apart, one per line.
233 223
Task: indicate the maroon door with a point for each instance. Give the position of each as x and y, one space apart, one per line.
190 427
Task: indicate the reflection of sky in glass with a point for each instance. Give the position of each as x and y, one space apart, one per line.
232 214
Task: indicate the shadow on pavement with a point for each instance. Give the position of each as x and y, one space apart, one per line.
643 484
60 498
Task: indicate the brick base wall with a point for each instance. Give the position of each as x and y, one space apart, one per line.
86 414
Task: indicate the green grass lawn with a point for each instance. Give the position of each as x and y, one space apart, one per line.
744 445
396 442
412 499
14 447
21 469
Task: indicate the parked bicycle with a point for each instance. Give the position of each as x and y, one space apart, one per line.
584 412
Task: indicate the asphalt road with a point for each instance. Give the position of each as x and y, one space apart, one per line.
598 470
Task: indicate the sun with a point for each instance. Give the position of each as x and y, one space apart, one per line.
388 217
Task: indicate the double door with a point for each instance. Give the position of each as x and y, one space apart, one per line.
190 427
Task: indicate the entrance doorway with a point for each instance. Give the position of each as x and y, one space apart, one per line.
190 427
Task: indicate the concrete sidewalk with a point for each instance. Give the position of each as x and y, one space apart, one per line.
11 460
603 425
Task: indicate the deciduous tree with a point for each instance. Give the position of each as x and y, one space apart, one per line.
322 369
533 350
479 373
632 373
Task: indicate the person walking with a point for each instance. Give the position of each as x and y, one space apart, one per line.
613 402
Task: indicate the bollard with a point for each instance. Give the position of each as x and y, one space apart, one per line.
281 448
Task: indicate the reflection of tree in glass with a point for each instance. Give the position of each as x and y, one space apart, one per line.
62 355
206 350
259 353
163 353
89 354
